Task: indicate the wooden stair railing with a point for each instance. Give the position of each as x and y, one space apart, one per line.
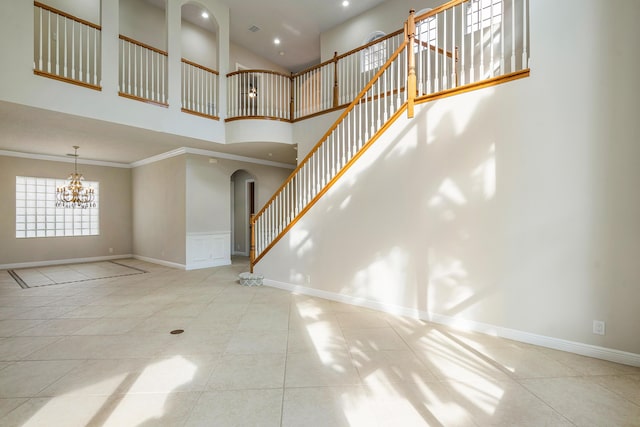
377 105
413 74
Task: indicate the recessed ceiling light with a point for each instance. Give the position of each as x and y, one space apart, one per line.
205 14
276 41
345 3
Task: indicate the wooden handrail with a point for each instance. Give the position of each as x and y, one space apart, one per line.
277 73
67 15
353 103
202 67
439 9
337 57
146 46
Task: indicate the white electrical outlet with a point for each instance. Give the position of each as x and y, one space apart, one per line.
598 327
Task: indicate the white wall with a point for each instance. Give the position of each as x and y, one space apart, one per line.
514 206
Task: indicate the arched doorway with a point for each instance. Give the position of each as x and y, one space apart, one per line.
243 205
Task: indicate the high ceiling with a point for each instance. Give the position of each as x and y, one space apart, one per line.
297 23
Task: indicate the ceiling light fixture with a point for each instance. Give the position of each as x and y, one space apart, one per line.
345 3
205 14
74 195
276 41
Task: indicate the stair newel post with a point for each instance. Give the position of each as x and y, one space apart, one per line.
409 35
335 79
252 248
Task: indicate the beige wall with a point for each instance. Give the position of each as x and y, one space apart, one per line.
115 214
159 214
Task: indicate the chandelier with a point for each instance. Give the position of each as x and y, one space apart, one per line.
74 195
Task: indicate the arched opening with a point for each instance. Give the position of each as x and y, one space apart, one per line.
243 205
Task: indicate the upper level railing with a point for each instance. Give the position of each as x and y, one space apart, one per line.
66 48
199 90
258 94
143 71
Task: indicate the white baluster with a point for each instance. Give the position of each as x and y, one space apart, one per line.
66 49
95 55
481 28
454 62
513 35
58 44
491 38
463 77
80 63
429 74
40 38
87 72
444 54
48 41
525 56
472 71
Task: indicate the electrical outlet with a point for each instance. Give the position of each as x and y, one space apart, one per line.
598 327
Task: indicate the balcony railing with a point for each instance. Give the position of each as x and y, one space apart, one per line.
199 90
453 45
143 72
258 94
66 48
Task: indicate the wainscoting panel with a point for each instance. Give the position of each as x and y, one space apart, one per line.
206 250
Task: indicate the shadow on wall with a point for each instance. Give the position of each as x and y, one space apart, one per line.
420 210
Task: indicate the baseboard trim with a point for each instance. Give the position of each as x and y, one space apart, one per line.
160 262
597 352
32 264
208 264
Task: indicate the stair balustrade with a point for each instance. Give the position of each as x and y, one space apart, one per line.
460 46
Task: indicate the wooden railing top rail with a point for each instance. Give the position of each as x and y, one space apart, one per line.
202 67
351 52
347 110
439 9
233 73
146 46
67 15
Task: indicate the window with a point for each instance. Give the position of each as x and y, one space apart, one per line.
375 55
38 216
482 14
426 29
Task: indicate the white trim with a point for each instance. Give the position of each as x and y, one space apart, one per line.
159 157
589 350
161 262
200 152
62 261
63 159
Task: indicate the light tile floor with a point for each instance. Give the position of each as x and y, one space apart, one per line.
99 353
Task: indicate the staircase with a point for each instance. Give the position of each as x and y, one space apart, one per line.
460 46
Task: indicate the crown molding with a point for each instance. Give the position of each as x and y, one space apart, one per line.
200 152
63 159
